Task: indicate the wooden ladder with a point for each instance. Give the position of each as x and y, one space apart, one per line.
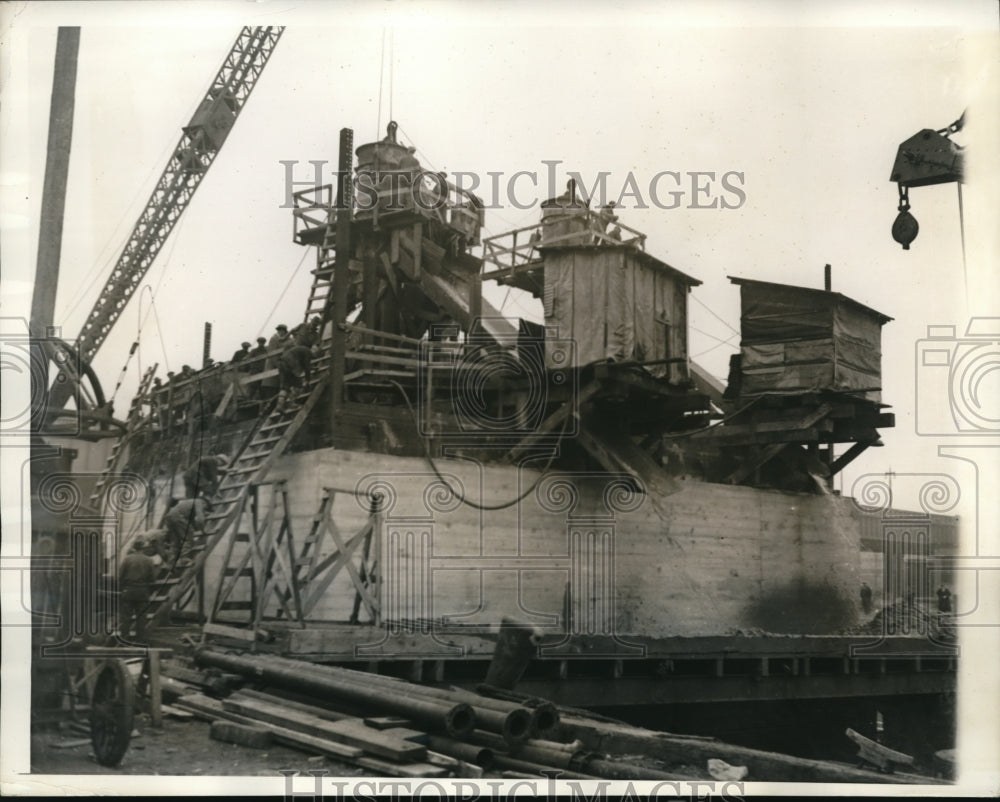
326 255
132 425
267 444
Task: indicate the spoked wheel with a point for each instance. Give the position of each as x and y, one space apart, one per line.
111 712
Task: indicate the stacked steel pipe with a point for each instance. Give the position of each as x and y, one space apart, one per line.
450 710
502 734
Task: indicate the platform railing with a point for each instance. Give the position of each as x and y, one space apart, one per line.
519 248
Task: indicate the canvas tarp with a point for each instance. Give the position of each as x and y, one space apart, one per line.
615 308
797 339
774 313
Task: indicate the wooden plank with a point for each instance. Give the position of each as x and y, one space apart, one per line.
211 709
417 250
228 632
283 716
373 356
73 744
849 456
556 418
335 561
379 742
415 770
876 753
404 734
243 734
170 710
768 454
155 695
349 731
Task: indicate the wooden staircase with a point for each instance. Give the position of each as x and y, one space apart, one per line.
267 443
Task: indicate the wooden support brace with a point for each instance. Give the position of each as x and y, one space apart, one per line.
849 456
418 235
555 419
150 679
766 456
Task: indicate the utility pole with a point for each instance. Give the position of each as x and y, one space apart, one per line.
341 273
43 299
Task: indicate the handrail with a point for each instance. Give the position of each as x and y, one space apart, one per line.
521 253
380 334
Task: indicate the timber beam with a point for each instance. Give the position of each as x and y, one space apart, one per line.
849 456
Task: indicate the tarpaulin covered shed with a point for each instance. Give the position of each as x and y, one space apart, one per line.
618 304
799 339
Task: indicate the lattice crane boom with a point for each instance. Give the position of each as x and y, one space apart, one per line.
199 144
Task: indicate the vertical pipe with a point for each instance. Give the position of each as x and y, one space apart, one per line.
206 350
43 301
341 276
827 277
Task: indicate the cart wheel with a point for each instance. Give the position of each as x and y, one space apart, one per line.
111 711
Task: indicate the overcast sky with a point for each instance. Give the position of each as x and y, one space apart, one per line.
808 102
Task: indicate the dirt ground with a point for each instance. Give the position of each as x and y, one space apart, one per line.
180 747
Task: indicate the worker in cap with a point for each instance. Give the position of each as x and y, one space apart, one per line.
135 586
185 523
255 364
275 348
242 354
260 349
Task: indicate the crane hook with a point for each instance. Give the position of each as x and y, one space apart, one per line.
905 227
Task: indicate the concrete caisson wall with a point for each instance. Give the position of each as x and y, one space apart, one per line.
708 560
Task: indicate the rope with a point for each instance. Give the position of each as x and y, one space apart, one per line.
455 493
719 344
723 322
159 331
152 297
381 74
961 228
281 297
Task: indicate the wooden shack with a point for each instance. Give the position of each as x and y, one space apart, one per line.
800 340
617 303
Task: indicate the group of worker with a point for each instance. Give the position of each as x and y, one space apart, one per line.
287 356
190 397
181 531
